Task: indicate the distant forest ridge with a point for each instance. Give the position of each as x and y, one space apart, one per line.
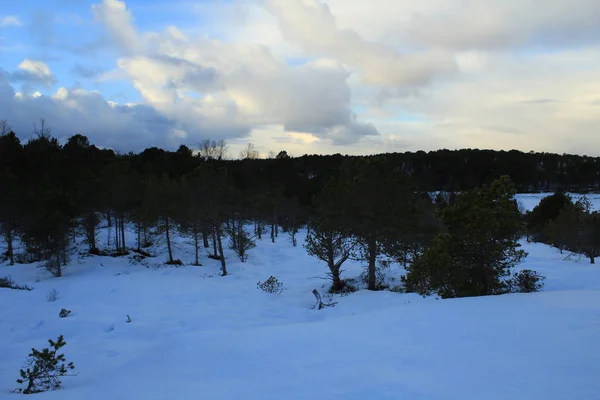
459 170
439 170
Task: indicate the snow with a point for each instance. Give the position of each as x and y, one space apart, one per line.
197 335
530 200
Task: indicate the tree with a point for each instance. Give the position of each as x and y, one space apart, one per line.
478 249
576 229
331 244
11 166
218 205
44 369
249 152
164 197
212 150
192 221
548 209
379 205
5 128
51 211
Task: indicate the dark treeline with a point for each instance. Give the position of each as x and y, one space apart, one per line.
459 170
374 209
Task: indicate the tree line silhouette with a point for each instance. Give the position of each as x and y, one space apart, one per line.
368 208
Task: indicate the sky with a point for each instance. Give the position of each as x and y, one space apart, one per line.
306 76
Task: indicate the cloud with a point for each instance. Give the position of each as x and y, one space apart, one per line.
122 127
31 72
311 25
184 78
86 72
344 76
9 20
118 20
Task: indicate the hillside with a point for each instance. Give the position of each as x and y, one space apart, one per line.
194 334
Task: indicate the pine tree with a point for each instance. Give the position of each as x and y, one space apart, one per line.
478 249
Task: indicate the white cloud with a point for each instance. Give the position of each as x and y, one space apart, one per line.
10 20
344 76
119 22
36 68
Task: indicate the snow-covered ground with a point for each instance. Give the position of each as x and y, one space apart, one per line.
530 200
197 335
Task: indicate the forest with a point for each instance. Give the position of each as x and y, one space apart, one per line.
376 209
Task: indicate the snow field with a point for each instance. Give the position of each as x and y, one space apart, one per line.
197 335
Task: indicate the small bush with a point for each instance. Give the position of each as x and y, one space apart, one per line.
143 253
44 369
64 313
271 285
174 262
346 287
119 253
526 281
27 258
52 295
7 282
96 252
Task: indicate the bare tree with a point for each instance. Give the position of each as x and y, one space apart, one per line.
212 149
43 131
249 152
5 128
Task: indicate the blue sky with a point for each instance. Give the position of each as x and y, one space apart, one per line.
314 76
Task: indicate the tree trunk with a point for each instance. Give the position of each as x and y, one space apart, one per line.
197 245
205 235
9 242
123 232
139 234
90 226
58 264
117 240
168 233
336 280
592 260
221 253
372 250
272 233
214 240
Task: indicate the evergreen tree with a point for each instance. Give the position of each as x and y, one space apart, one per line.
477 250
380 205
11 164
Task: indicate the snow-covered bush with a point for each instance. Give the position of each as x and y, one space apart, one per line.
271 285
64 313
44 369
7 282
526 281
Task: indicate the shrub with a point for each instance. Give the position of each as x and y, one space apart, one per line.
7 282
174 262
526 281
345 287
64 313
45 368
478 249
52 295
271 285
241 241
